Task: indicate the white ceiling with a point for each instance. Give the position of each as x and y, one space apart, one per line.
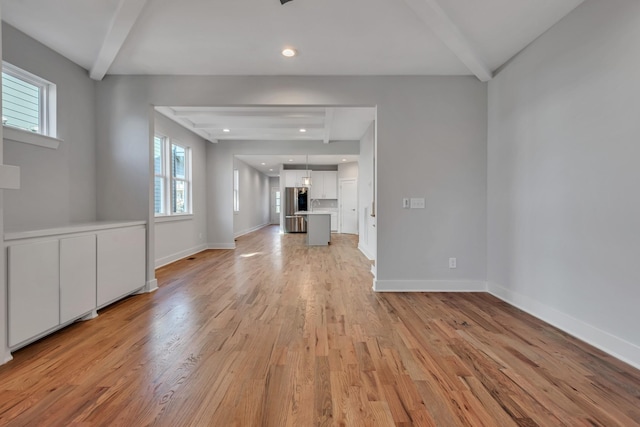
244 37
324 124
272 163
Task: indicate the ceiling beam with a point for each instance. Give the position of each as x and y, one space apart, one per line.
121 24
432 14
328 121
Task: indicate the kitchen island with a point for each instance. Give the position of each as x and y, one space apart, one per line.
318 227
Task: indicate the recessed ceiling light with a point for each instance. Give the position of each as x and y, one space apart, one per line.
344 160
225 130
289 52
263 163
291 160
303 130
270 170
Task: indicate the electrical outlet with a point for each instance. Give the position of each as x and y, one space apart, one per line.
405 203
453 263
417 203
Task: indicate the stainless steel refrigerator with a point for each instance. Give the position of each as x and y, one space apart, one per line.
295 199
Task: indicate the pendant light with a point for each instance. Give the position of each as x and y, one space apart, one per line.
306 181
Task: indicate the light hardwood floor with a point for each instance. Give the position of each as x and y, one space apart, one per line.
279 334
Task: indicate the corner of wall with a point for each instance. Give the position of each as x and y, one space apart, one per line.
611 344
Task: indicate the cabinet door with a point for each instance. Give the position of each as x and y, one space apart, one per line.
77 277
121 263
300 174
34 290
290 178
317 185
330 185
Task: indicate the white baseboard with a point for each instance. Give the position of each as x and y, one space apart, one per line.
7 357
365 252
152 286
250 230
221 246
179 255
429 286
611 344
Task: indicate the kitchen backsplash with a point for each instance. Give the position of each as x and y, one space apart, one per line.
326 203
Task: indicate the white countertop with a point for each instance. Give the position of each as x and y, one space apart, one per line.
67 229
313 213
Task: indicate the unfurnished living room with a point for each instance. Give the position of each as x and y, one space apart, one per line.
320 213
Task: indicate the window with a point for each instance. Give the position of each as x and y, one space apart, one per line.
278 201
236 190
159 178
28 101
172 177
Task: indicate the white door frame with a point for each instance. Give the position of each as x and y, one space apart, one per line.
340 182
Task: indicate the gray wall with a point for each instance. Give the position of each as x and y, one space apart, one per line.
254 199
563 200
348 170
431 143
177 239
57 186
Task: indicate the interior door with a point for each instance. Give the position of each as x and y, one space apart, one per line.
276 205
348 206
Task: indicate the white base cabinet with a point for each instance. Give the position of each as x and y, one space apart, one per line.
77 277
60 275
34 283
121 263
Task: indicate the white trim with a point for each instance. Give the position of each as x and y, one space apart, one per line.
22 136
441 24
221 245
175 217
365 252
151 286
429 286
7 357
161 262
611 344
250 230
121 24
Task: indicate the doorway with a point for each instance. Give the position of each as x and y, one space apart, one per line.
348 206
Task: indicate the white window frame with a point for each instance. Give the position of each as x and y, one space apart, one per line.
236 190
162 175
47 102
167 179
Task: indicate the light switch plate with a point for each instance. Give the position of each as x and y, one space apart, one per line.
417 203
405 203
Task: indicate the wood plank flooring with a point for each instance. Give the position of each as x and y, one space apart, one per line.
279 334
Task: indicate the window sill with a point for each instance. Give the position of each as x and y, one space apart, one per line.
170 218
22 136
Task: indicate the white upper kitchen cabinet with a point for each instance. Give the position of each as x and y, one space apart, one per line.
293 178
324 185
